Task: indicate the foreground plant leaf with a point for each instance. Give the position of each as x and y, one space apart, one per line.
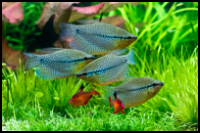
12 12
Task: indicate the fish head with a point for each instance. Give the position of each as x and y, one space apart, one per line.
118 106
156 86
71 101
74 100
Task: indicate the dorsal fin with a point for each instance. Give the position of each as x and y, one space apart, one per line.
115 94
82 87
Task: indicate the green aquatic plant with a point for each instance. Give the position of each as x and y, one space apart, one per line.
166 50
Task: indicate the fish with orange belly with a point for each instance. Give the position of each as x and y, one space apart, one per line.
107 69
117 104
136 91
81 98
57 63
95 38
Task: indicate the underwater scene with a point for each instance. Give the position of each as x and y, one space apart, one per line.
99 66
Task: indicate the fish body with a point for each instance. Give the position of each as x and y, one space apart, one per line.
107 69
117 104
136 91
81 98
58 63
97 38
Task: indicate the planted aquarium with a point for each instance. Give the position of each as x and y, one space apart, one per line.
100 66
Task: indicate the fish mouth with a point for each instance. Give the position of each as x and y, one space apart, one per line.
156 84
161 84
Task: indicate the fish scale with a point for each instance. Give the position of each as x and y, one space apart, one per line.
58 64
136 91
107 69
96 38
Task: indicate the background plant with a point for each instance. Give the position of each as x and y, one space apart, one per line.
166 49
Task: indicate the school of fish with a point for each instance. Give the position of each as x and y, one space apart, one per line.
87 40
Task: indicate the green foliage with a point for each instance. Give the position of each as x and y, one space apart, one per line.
94 119
17 34
166 50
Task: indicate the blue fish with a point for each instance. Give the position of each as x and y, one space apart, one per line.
107 69
57 62
95 38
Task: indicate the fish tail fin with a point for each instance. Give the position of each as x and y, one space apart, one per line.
68 31
95 92
130 57
110 100
108 91
31 60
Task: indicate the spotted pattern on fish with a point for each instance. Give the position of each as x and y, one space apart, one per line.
58 64
97 38
42 60
100 71
136 91
107 69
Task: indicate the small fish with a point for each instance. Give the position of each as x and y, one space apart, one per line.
107 69
96 38
117 104
57 62
81 98
136 91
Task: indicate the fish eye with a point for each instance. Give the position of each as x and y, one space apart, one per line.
77 30
84 74
129 37
42 60
154 84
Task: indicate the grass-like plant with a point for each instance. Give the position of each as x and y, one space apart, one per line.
166 50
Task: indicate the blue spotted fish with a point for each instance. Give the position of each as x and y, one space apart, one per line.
135 91
57 62
95 38
107 69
